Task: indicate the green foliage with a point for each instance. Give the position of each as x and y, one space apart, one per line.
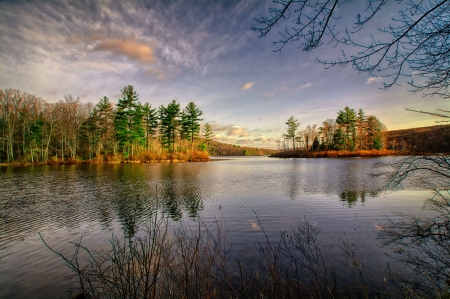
124 118
34 130
170 124
316 144
292 125
374 133
190 121
207 132
339 139
347 119
150 123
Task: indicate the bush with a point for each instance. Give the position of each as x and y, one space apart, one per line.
193 260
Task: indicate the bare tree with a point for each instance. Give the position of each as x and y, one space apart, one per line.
415 43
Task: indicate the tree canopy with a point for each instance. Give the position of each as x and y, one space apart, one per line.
415 44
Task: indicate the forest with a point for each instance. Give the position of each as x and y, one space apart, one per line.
69 131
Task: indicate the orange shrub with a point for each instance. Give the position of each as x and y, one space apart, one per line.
199 155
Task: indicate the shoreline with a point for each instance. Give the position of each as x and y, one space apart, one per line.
340 154
78 162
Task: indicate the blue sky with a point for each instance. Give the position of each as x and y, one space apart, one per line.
200 51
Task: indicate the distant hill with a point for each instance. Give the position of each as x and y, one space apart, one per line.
224 149
434 139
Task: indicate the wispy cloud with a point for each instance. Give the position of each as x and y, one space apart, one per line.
304 86
277 91
128 47
264 139
248 85
372 80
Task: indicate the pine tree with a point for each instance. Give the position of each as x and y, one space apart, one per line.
292 124
125 120
361 130
150 124
170 122
190 122
347 119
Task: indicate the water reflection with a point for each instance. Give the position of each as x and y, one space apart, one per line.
351 197
180 190
93 201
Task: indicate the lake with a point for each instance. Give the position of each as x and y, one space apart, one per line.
66 202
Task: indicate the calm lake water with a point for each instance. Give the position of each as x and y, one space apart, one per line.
66 202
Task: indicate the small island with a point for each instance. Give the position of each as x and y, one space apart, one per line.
354 134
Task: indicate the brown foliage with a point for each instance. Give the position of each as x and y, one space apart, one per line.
335 154
433 139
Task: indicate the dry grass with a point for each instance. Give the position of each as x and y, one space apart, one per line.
336 154
199 156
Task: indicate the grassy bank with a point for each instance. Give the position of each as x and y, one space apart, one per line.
338 154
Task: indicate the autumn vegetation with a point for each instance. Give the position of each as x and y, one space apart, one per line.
351 134
33 130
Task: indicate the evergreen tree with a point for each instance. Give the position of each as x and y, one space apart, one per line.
339 139
190 122
170 123
361 130
207 132
137 129
150 123
126 123
316 144
292 124
375 130
347 118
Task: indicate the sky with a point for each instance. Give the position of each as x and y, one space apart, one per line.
193 51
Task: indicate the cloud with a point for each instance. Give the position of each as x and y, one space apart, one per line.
285 89
236 130
217 127
277 91
264 139
309 84
372 79
158 73
86 93
128 47
248 85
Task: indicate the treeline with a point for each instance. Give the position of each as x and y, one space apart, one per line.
433 139
350 131
33 130
216 148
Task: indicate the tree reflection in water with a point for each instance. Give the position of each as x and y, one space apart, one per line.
351 196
